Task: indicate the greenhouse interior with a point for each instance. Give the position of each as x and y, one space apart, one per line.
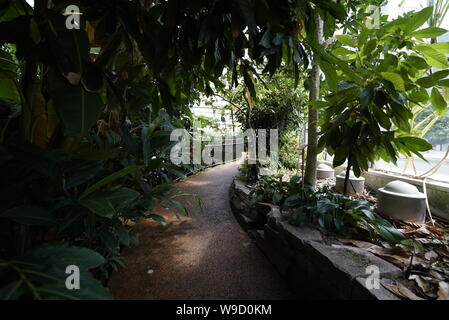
245 150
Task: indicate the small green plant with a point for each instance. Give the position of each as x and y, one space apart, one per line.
340 214
269 189
329 210
248 172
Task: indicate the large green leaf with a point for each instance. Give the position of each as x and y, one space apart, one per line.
30 215
439 104
431 80
419 96
382 118
13 10
394 78
8 88
433 57
43 269
442 47
99 206
336 9
120 196
387 231
333 60
331 75
77 109
366 96
60 256
114 176
410 22
417 19
369 47
418 62
346 40
431 32
415 144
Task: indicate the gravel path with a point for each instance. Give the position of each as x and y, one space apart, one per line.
204 256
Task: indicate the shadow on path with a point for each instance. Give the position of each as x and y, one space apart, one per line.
204 256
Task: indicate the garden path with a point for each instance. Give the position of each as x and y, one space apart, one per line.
204 256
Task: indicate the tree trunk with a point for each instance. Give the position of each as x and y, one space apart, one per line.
348 172
312 141
27 87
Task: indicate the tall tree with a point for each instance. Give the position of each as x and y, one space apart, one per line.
312 149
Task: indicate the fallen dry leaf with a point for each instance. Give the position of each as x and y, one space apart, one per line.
438 231
431 255
443 291
358 243
441 268
426 285
400 290
430 241
436 275
416 233
398 256
444 251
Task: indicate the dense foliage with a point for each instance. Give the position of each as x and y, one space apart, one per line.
331 211
385 72
85 116
438 131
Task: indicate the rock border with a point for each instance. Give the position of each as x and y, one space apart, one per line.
315 268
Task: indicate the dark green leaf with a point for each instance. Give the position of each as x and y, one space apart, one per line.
30 215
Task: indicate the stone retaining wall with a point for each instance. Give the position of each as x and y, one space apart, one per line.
315 268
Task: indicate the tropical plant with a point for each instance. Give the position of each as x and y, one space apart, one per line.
84 196
83 121
279 104
323 35
421 126
331 211
381 77
269 189
340 214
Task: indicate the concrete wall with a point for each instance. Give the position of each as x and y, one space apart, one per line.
313 267
437 193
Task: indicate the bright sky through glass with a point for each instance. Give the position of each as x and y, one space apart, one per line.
393 8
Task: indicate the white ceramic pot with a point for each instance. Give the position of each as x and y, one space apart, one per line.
402 201
324 172
355 185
